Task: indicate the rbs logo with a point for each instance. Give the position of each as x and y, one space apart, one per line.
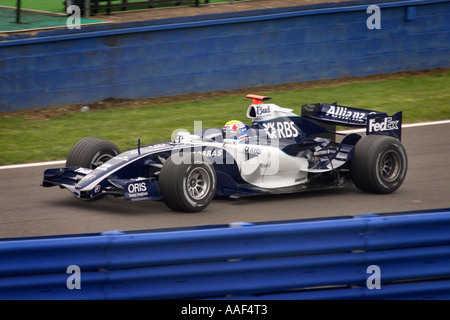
278 130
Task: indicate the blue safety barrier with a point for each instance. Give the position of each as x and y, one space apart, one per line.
221 52
377 256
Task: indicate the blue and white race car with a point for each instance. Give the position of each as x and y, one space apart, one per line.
279 152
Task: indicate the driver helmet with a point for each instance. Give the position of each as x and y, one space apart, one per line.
234 129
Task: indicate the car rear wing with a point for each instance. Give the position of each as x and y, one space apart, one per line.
375 122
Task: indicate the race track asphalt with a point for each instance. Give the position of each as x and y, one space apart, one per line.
30 210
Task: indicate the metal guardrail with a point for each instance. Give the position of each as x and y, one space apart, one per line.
221 51
386 256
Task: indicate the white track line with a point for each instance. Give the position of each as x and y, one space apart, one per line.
37 164
409 125
49 163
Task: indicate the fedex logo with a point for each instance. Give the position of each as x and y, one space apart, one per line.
386 125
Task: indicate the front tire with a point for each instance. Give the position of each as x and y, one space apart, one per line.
380 164
187 183
91 153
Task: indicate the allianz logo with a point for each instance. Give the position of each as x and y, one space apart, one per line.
342 112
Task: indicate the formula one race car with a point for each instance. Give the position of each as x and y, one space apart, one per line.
280 152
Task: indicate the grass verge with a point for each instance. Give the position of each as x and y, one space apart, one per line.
22 140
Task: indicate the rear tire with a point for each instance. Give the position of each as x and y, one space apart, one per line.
91 153
380 164
188 183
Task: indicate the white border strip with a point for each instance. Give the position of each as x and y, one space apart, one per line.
409 125
49 163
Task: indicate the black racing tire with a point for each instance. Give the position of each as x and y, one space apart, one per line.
91 153
380 164
187 182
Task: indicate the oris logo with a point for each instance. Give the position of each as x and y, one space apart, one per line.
137 190
137 187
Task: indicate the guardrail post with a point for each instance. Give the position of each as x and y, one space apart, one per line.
87 8
18 12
